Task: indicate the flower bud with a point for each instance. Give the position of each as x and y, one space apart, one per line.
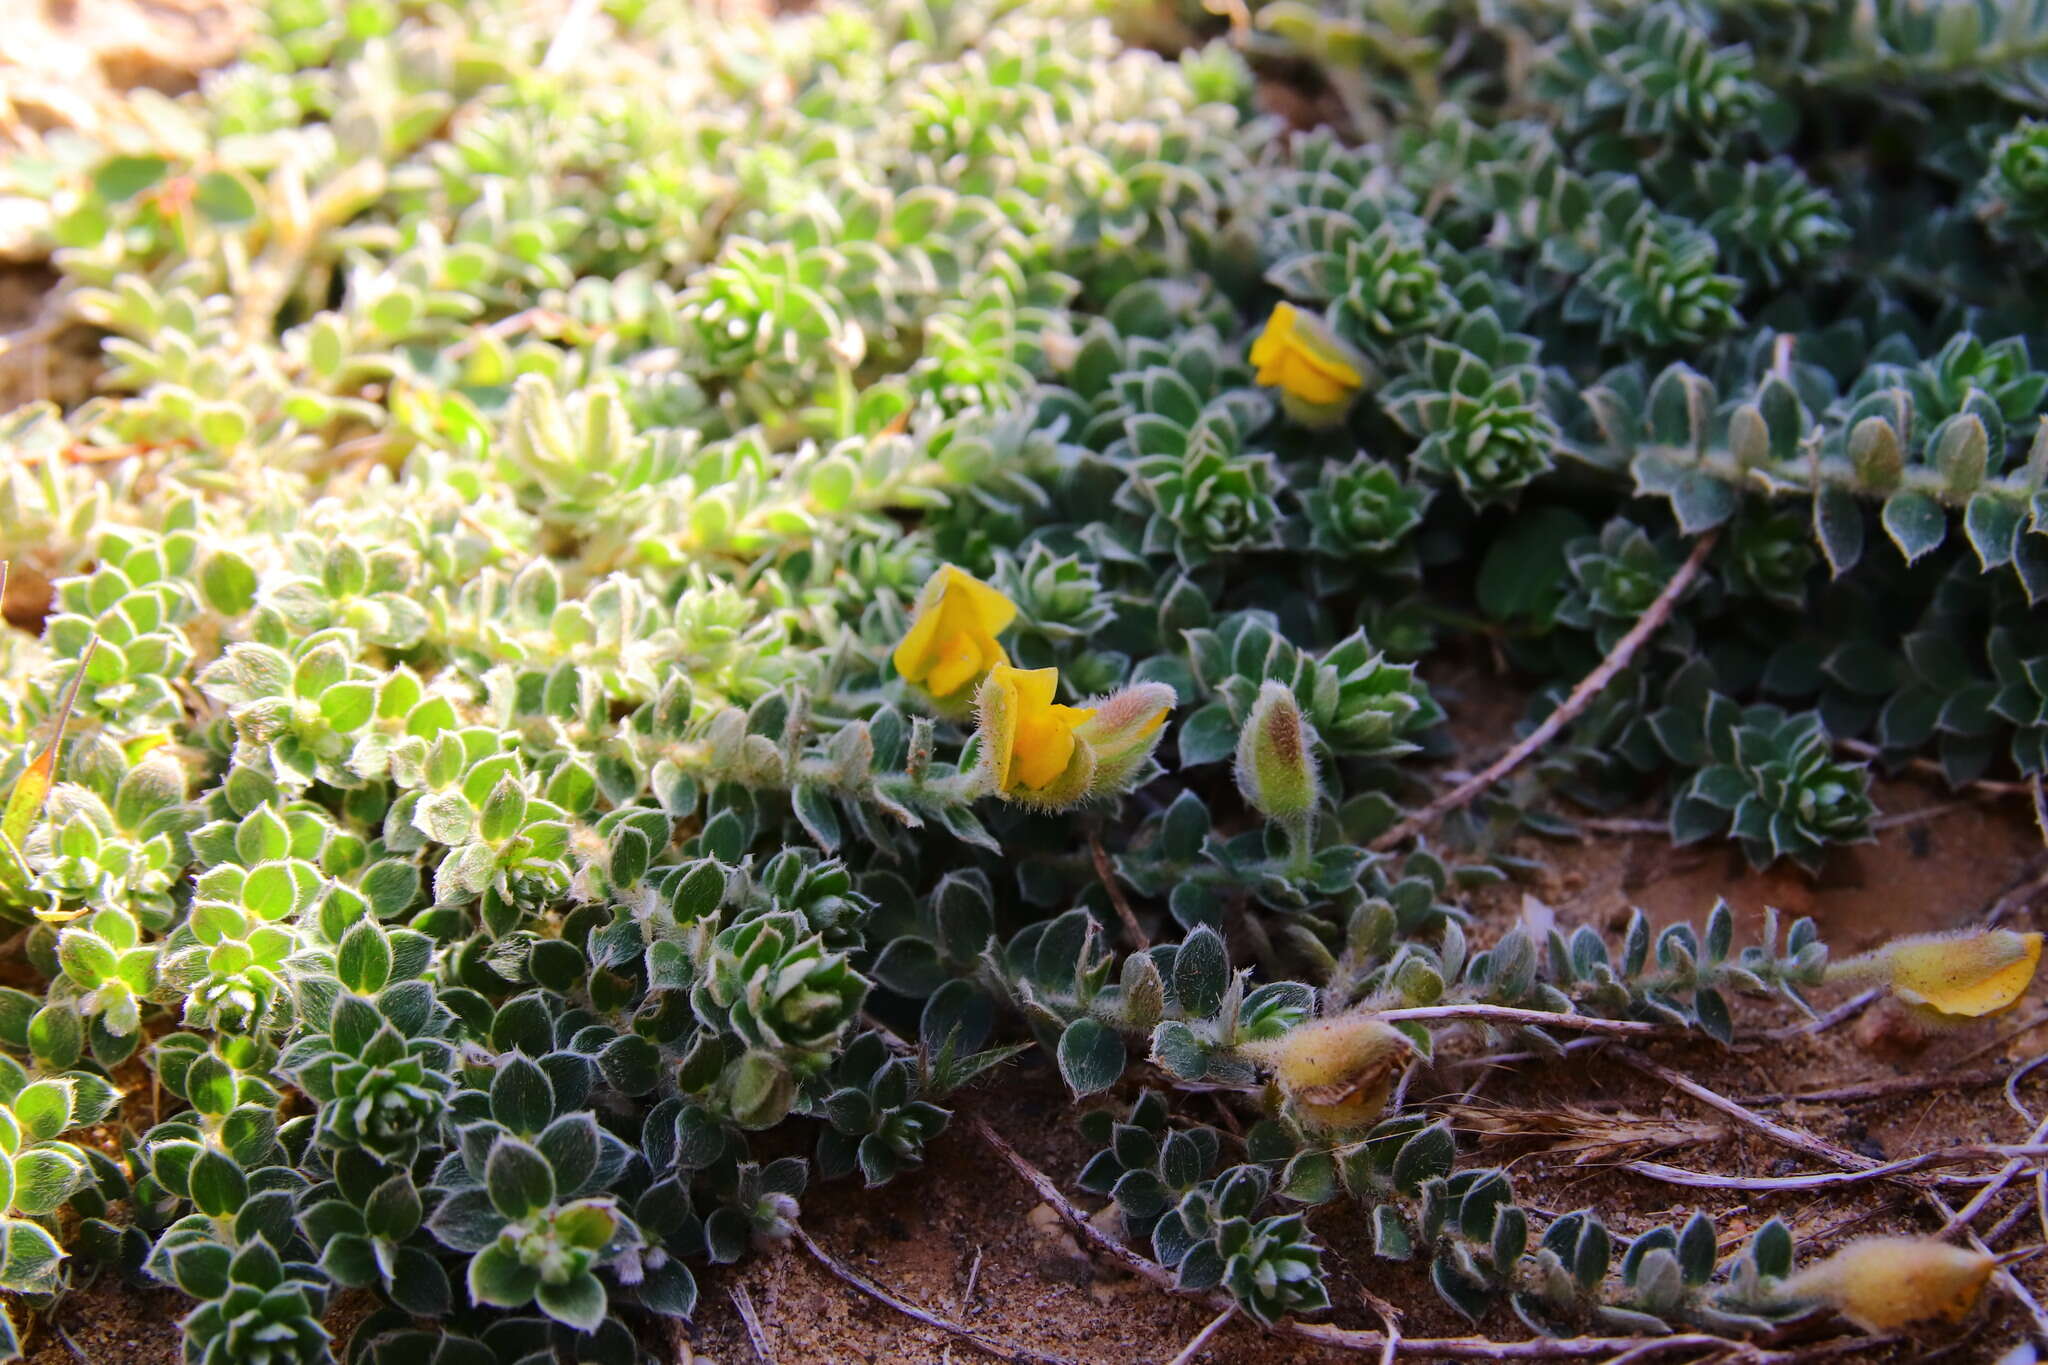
1882 1283
1123 730
1948 978
761 1089
1337 1073
1276 767
1962 452
1875 451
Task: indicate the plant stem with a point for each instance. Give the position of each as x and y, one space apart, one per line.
1509 1014
1024 1355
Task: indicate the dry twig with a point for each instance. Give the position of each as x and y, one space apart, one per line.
1779 1133
744 1302
1188 1352
1124 913
1455 1348
1581 697
1878 1090
1000 1350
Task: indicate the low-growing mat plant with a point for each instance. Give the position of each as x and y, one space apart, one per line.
634 585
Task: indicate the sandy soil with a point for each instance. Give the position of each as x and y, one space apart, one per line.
966 1240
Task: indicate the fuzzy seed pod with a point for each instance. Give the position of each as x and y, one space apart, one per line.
1337 1072
1881 1283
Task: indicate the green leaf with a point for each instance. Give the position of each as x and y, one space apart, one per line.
363 961
523 1099
1091 1057
393 1210
1838 526
210 1085
1771 1249
217 1183
815 812
43 1108
1702 502
496 1277
120 178
1208 736
1426 1156
227 582
1523 576
518 1179
1391 1239
348 706
1201 973
580 1302
225 198
1916 523
1993 524
56 1037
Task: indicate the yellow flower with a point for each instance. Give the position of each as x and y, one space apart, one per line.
1299 356
1952 976
952 639
1882 1283
1028 748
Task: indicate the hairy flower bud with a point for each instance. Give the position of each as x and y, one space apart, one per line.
1123 731
1276 765
1875 451
1881 1283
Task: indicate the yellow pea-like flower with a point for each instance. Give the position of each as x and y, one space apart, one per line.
1952 976
952 638
1028 747
1882 1283
1302 358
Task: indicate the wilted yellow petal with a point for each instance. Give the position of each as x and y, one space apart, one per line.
1297 355
1968 975
1881 1283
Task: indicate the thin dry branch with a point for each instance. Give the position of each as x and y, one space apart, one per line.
1454 1348
1194 1347
1821 1180
1589 687
1024 1355
758 1339
1993 1187
1928 768
1797 1139
1128 917
1878 1090
1508 1014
